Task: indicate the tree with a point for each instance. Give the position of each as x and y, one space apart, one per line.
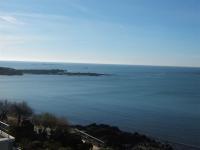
4 107
21 110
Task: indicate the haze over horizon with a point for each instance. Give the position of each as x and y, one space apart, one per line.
137 32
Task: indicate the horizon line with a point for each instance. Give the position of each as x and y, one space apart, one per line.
93 63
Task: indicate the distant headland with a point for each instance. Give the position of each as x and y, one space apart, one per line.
12 71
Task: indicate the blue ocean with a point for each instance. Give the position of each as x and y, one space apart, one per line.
163 102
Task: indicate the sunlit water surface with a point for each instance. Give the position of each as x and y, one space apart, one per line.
158 101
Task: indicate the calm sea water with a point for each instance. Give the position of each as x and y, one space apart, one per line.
159 101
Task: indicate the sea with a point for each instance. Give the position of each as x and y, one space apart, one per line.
162 102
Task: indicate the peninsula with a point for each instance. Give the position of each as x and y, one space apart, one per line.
11 71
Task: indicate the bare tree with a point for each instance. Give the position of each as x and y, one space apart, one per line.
21 110
4 109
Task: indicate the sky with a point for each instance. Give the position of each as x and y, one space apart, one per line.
138 32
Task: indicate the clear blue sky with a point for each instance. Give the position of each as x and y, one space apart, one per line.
146 32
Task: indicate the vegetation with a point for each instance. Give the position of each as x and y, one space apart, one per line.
39 131
17 110
47 132
21 110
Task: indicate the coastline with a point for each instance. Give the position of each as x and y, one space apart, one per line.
174 145
182 146
21 72
46 128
